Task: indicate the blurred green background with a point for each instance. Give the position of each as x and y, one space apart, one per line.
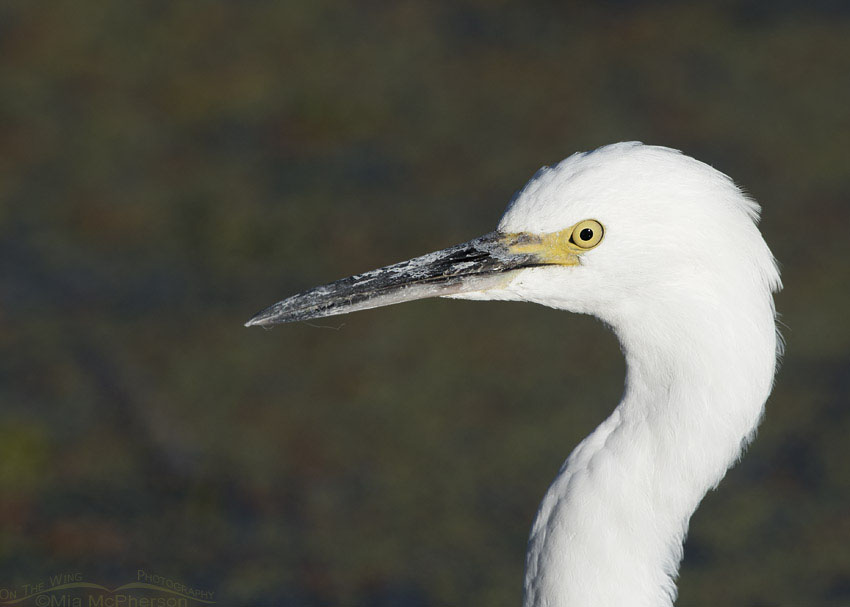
169 168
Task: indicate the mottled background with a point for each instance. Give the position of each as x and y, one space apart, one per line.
167 168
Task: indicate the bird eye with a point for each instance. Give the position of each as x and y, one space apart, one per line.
587 234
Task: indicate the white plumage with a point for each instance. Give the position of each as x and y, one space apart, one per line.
684 279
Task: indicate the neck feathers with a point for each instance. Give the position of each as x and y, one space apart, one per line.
611 527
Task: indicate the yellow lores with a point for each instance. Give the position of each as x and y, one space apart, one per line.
558 248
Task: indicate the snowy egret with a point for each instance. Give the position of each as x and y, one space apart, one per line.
665 250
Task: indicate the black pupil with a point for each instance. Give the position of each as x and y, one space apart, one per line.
586 234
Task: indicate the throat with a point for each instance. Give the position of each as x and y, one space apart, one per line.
611 526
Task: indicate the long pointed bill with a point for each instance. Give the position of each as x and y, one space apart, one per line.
476 265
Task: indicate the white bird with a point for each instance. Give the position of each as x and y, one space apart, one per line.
665 250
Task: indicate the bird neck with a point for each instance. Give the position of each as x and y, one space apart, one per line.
611 527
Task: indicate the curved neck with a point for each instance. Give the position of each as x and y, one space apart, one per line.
610 529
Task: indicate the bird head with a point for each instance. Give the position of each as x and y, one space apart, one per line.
625 232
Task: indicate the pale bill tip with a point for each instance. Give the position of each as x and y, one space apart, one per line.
263 318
